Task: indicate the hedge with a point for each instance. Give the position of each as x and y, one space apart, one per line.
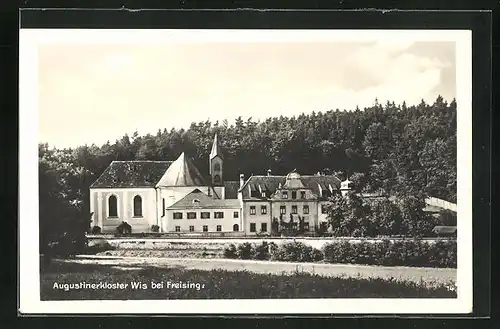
398 253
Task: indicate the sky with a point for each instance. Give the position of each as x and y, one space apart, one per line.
91 93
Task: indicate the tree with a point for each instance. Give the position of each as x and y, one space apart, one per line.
386 218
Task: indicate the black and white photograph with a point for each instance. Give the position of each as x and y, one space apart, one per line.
245 171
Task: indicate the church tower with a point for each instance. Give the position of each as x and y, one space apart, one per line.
216 163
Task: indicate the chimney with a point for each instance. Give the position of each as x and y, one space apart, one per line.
268 172
242 180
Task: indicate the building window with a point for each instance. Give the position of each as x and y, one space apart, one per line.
252 227
163 206
306 226
219 228
235 214
236 227
305 209
137 206
112 206
218 214
263 210
177 228
284 194
294 194
177 215
282 209
216 167
191 215
263 227
205 228
205 215
324 209
252 210
263 194
302 194
216 179
294 209
191 228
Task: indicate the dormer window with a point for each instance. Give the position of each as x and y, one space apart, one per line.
284 194
294 194
302 194
263 194
196 201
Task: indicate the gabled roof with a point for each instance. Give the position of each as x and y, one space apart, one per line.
182 172
272 183
216 150
231 189
131 174
199 200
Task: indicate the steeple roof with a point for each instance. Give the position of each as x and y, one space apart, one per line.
182 172
216 150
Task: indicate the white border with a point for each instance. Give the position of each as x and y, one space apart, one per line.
29 285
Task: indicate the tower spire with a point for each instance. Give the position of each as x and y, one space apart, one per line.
215 163
216 151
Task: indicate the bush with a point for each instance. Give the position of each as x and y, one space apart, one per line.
96 230
397 253
230 251
245 251
295 252
155 228
262 251
124 229
95 247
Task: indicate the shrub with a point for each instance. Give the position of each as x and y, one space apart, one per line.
155 228
262 251
317 255
96 230
295 252
397 253
245 251
124 228
230 251
98 246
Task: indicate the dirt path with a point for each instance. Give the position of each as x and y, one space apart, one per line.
416 274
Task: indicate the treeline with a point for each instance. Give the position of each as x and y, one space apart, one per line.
397 149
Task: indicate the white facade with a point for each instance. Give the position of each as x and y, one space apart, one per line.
100 207
203 220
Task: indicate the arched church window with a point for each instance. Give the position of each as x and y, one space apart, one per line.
112 206
217 167
216 179
137 206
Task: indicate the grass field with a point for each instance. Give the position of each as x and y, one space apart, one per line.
219 284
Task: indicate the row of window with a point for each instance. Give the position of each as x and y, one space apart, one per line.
113 206
284 194
263 210
204 228
263 227
203 215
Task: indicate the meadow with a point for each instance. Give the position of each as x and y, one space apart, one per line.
222 284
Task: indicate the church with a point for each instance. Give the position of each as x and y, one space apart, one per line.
173 196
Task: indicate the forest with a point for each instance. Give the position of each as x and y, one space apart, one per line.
396 149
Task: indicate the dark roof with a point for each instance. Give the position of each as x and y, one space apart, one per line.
231 189
199 200
132 174
182 172
270 184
